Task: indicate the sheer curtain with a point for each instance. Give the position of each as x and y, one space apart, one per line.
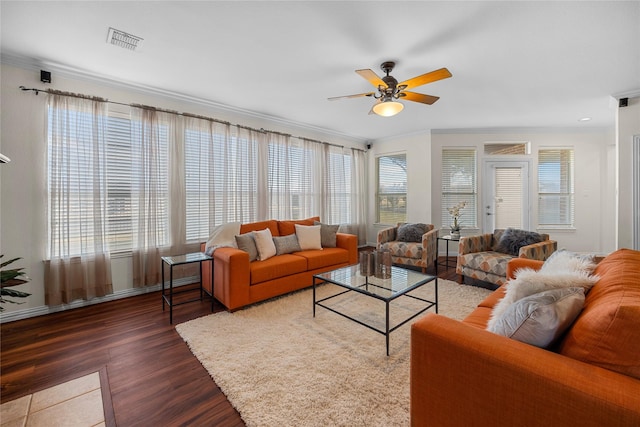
152 139
78 264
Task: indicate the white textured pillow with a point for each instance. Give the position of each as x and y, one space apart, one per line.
264 244
309 237
222 235
541 318
529 282
562 261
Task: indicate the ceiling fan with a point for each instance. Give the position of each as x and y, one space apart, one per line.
389 90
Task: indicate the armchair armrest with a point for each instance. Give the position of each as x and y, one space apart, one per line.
540 251
430 246
386 235
479 243
465 376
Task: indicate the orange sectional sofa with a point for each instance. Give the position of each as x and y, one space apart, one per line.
463 375
238 282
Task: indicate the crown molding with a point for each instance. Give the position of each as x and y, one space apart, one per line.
75 73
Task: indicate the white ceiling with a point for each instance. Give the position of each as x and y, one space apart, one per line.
514 64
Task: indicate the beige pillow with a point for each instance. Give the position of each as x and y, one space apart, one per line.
264 244
541 318
308 237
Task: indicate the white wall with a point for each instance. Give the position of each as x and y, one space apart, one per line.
418 151
628 125
23 180
594 220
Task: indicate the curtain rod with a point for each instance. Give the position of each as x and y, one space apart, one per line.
99 99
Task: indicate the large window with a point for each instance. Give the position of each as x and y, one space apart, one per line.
220 179
459 184
391 196
555 188
158 188
120 153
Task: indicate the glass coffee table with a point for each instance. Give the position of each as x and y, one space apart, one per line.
401 283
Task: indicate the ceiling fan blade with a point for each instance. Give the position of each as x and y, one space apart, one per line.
371 77
420 97
423 79
358 95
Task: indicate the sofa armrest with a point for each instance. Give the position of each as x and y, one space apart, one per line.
516 264
540 251
430 246
350 243
478 243
232 277
465 376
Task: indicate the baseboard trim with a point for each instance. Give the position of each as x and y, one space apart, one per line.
27 313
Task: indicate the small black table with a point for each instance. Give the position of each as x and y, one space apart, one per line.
172 261
447 239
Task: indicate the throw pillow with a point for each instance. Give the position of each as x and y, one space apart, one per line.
513 239
264 243
541 318
308 237
222 235
327 234
411 232
529 282
286 244
247 243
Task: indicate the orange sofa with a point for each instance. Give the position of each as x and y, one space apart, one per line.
238 282
463 375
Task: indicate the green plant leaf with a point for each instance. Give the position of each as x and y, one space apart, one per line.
13 293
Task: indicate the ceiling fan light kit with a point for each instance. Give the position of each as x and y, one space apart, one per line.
389 90
387 108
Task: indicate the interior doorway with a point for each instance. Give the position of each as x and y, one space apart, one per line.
505 195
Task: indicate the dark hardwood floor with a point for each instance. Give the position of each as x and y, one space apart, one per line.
152 376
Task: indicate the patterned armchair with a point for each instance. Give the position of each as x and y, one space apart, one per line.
481 257
419 254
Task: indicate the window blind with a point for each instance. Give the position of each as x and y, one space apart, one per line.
555 187
391 197
459 184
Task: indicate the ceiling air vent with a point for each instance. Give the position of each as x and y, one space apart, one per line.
122 39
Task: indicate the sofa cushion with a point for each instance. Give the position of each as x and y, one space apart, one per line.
276 267
513 239
327 234
247 243
403 249
264 244
606 333
308 237
324 258
286 244
489 261
411 232
289 227
539 319
271 224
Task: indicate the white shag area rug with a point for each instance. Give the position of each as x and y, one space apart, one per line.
280 366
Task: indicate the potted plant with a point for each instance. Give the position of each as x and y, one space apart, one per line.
455 214
8 279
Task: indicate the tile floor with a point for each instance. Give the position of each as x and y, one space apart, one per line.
76 403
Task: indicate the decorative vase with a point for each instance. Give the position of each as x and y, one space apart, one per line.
367 264
383 264
455 234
